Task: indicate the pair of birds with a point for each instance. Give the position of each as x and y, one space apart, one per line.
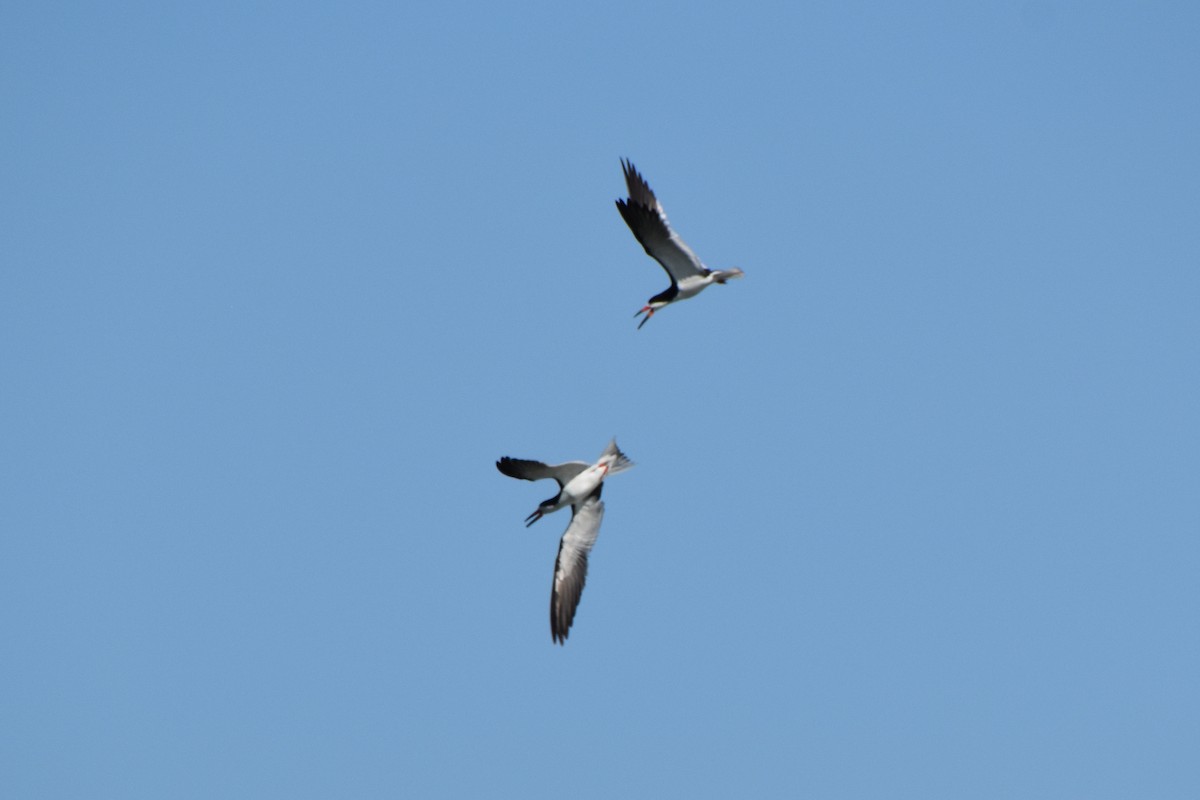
580 483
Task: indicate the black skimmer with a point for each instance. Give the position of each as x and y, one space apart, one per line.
645 217
579 486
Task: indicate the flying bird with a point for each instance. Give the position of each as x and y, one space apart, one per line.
579 486
646 218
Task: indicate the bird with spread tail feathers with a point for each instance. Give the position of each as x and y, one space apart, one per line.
579 486
646 218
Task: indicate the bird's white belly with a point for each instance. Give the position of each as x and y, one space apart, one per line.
582 485
690 287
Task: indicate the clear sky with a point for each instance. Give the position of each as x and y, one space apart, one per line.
915 511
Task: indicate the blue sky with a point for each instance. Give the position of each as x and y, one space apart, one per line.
915 511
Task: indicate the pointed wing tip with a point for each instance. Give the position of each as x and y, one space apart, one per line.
559 633
634 181
632 172
511 467
561 629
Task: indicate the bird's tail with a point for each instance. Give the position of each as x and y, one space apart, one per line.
616 460
722 275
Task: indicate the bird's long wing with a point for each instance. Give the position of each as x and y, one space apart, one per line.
570 569
536 470
645 217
